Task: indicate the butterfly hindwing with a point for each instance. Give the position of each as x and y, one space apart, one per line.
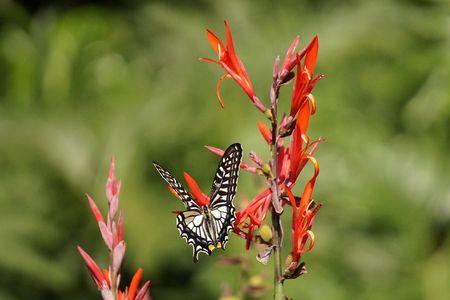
192 227
223 191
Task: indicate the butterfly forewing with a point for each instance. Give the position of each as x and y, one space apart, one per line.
223 191
177 187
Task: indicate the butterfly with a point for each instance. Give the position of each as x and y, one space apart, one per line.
206 227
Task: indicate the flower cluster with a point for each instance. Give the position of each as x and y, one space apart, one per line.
108 280
288 140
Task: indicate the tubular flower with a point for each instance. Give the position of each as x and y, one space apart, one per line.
233 66
196 192
265 132
300 143
107 281
133 292
303 212
252 216
304 81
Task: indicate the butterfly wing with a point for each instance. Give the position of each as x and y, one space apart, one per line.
190 223
176 187
193 228
223 191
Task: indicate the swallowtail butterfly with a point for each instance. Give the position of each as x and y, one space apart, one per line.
207 227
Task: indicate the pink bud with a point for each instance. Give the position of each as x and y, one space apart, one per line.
120 227
95 271
113 206
112 186
118 254
215 150
143 291
106 234
95 211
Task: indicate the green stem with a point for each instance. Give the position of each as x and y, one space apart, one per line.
276 222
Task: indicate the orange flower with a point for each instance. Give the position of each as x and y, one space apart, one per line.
252 216
230 62
303 212
304 81
265 132
196 192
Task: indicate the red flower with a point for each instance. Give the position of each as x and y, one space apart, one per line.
231 63
304 81
107 280
134 292
303 212
196 192
301 147
265 132
252 216
97 275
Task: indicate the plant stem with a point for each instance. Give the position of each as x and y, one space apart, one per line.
276 203
277 238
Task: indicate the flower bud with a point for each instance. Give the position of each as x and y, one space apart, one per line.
266 170
288 260
256 281
266 233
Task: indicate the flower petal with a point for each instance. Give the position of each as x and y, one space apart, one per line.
265 132
215 42
311 54
134 284
199 196
95 211
219 86
93 268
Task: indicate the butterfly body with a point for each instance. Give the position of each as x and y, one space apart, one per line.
206 227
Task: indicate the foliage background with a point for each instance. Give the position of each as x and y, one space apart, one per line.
83 81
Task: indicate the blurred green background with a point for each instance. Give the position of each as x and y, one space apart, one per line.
82 81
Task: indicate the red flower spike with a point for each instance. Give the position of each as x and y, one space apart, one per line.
265 132
94 270
196 192
230 62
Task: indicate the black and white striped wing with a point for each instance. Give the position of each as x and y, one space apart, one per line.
190 223
177 187
193 228
223 191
